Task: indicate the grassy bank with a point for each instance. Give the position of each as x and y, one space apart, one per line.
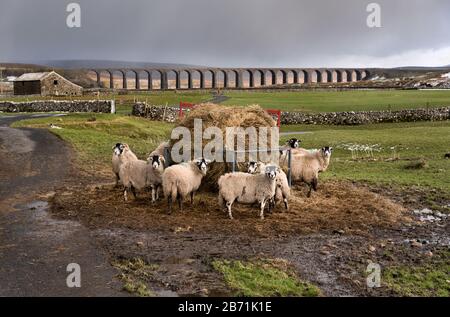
93 136
402 153
425 280
307 100
351 100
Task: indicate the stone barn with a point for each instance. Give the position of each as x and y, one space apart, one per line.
45 84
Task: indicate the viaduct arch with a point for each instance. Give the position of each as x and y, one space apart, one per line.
208 77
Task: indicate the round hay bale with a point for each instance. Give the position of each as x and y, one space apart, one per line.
213 115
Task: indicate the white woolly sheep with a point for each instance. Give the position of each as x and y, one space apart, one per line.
283 191
121 154
183 179
138 174
306 167
247 189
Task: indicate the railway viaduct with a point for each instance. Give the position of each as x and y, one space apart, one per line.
204 78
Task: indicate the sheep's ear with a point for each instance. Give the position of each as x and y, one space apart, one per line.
162 159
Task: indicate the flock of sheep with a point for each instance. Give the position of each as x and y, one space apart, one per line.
265 184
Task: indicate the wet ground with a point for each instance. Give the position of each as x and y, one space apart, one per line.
329 239
35 249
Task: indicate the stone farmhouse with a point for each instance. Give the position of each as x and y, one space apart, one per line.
45 84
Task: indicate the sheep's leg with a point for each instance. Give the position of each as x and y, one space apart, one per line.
153 194
192 198
169 202
133 190
157 191
271 204
286 203
228 204
180 202
117 180
125 194
261 212
309 191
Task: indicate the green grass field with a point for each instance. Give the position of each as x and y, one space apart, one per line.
315 101
330 101
395 145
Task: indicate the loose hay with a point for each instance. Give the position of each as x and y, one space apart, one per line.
338 206
213 115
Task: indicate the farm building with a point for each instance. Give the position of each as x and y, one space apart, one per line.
45 84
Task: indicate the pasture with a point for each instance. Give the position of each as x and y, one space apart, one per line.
301 100
348 100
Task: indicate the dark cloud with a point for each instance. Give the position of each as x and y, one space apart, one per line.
229 32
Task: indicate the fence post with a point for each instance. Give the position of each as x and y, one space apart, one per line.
234 161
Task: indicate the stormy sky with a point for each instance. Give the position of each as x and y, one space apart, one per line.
229 33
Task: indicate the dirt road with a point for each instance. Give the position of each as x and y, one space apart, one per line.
35 249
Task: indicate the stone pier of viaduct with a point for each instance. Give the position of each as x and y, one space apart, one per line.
204 78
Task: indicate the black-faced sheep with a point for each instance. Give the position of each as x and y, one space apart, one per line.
247 189
282 192
138 174
183 179
121 154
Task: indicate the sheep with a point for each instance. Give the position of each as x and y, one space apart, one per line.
282 191
306 168
160 149
121 153
183 179
247 189
293 143
256 167
138 174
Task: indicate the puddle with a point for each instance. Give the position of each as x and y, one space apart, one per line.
42 225
165 293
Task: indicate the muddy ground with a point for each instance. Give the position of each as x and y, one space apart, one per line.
52 215
329 238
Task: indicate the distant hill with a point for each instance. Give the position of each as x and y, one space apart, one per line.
74 64
422 68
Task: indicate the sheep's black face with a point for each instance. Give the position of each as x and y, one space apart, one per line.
202 165
252 167
327 150
271 172
118 149
156 161
293 143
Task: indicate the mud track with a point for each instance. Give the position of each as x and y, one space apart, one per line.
34 248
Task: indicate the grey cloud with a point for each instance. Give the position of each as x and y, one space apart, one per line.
221 33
